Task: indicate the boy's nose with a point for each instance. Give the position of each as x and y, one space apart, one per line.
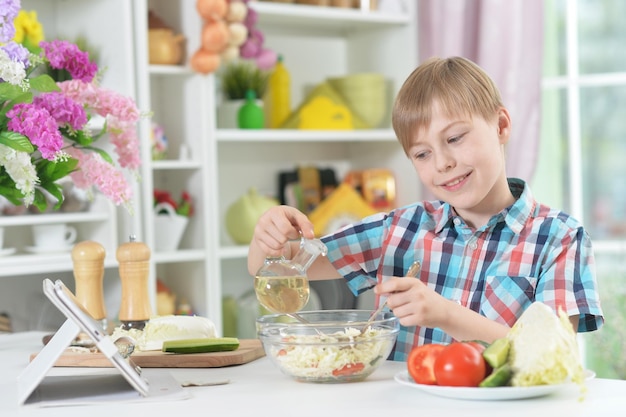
444 162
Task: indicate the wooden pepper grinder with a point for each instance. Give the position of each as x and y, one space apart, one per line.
88 260
133 258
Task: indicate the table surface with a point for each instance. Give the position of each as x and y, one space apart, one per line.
259 388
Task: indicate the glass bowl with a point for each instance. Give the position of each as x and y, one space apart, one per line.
329 348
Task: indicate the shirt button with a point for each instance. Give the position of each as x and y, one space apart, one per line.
456 221
472 244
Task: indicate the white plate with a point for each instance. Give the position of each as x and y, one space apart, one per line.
496 393
7 251
45 251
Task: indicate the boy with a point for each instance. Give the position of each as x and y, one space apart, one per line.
487 248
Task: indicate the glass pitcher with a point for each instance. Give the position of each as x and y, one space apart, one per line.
281 285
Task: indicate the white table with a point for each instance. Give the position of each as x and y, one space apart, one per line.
260 389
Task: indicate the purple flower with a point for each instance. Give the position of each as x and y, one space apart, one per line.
8 11
16 52
63 109
67 56
38 126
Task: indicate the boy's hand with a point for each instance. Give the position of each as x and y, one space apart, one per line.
413 303
277 226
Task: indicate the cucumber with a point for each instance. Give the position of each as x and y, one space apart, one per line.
213 344
497 353
498 378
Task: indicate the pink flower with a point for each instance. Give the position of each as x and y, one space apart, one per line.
38 125
63 109
45 134
121 115
95 171
67 56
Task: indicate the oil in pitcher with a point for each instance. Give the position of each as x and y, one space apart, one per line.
281 285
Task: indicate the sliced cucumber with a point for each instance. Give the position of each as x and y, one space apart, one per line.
498 378
214 344
497 353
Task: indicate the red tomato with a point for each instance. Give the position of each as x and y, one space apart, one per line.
349 369
421 361
460 365
481 346
478 346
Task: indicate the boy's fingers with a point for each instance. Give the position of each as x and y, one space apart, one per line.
302 223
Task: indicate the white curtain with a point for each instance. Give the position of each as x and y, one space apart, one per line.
505 37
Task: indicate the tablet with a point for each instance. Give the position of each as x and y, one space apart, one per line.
78 320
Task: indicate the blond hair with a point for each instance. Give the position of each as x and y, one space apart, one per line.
460 86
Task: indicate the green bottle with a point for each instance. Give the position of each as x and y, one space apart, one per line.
250 115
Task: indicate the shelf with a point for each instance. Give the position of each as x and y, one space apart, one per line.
180 255
170 70
175 164
288 135
324 19
32 219
233 252
43 264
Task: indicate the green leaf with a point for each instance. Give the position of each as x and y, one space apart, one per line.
79 136
26 97
56 191
40 201
101 133
11 193
49 171
44 83
16 141
9 91
102 153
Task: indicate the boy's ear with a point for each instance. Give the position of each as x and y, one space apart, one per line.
504 125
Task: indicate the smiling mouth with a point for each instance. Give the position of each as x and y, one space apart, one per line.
455 181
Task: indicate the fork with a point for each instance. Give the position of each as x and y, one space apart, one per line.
412 272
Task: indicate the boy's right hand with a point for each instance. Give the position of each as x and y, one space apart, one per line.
277 226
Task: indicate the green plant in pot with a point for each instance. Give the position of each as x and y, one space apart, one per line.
236 78
239 76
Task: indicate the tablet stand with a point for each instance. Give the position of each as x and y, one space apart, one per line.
37 369
128 384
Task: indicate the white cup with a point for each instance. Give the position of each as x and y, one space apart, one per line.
53 235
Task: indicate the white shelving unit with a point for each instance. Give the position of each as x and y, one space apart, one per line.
180 101
317 42
98 224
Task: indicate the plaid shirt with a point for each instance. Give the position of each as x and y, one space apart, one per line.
526 253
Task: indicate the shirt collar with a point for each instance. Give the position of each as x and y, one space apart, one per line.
514 216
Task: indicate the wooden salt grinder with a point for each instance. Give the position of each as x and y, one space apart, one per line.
133 258
88 260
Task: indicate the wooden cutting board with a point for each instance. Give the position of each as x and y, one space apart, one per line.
249 350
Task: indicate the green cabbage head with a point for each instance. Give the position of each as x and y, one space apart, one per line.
544 349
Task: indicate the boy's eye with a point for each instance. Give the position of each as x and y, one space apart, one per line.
455 139
420 155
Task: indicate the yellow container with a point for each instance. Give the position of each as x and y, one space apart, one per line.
365 94
277 101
